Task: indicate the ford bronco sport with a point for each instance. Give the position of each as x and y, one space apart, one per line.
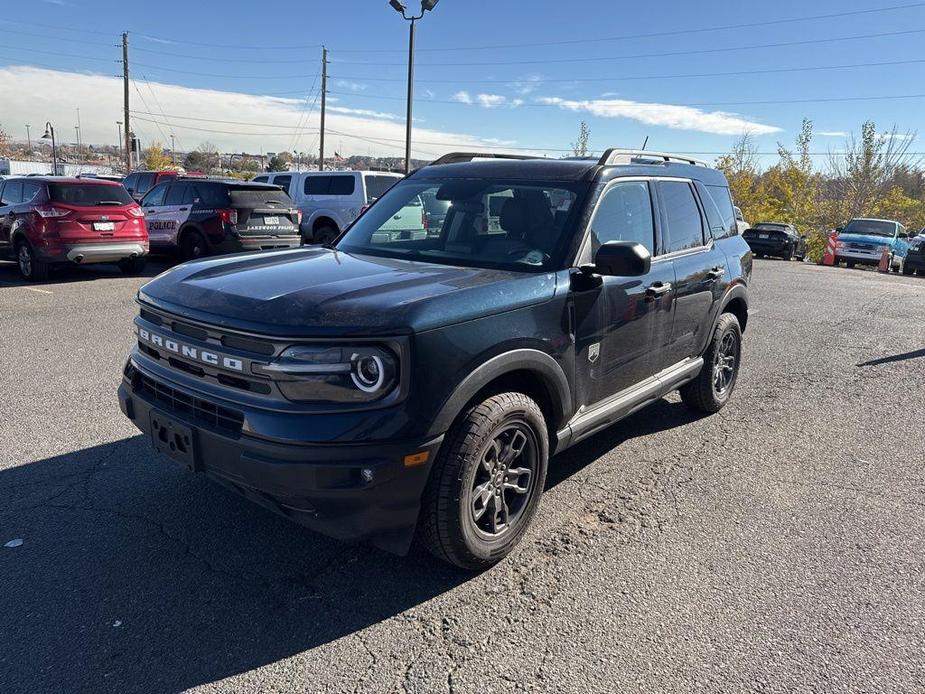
388 388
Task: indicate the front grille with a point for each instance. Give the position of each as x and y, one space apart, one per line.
188 407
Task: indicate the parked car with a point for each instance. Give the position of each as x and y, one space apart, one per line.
383 388
915 255
52 221
138 183
202 216
330 200
776 239
435 212
862 242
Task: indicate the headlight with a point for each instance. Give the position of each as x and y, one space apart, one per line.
338 374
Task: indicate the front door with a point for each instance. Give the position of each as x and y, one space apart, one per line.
621 323
699 266
153 206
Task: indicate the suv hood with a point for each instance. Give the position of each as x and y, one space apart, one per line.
322 292
865 238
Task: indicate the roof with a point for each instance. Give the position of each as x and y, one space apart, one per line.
65 179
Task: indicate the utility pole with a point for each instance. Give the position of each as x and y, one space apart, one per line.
410 96
29 137
119 137
78 136
324 92
173 149
128 129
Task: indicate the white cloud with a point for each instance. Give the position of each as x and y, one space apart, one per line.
253 120
352 86
486 100
667 115
832 133
527 85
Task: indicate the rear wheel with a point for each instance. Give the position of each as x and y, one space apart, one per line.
324 235
193 246
849 264
486 483
713 387
132 266
30 267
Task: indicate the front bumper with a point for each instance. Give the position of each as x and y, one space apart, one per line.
87 253
859 255
351 492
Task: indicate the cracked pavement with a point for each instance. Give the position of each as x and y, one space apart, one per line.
774 547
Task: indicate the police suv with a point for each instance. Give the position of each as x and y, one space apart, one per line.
200 216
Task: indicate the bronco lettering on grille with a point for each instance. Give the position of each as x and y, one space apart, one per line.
190 352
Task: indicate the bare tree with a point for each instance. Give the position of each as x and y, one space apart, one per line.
580 148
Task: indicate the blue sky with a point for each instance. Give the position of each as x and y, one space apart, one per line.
467 94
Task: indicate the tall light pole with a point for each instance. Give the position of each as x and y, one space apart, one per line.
29 137
119 138
399 6
173 149
78 134
50 135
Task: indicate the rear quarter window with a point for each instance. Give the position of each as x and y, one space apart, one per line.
377 185
723 201
330 185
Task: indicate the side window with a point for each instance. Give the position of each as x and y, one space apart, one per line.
190 195
145 182
714 217
283 182
214 194
317 185
342 185
377 185
723 201
12 193
261 179
175 194
156 197
29 191
624 214
130 181
685 226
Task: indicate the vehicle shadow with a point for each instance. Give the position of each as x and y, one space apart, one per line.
136 576
66 274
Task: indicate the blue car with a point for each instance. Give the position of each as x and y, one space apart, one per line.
862 242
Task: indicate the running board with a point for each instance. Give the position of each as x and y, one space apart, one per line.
589 421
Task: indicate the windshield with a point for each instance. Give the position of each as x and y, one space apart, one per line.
873 227
488 223
89 194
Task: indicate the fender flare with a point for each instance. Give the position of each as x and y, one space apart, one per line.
330 214
540 363
736 291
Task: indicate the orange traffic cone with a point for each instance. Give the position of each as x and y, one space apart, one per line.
829 257
885 261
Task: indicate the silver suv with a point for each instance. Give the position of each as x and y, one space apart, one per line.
330 200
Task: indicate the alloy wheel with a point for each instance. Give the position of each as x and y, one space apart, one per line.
504 480
724 363
25 260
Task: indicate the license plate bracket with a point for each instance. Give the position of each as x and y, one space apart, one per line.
104 226
763 236
271 221
175 439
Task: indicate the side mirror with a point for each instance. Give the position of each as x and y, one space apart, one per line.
622 259
839 230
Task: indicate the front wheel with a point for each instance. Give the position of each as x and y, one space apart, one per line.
325 235
487 482
713 387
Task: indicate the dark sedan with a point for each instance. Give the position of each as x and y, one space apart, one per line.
915 256
776 239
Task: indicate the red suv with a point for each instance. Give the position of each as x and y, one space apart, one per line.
50 221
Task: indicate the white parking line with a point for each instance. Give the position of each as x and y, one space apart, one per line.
31 289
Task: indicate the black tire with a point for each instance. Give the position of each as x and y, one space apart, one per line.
30 267
704 393
790 255
193 245
324 235
133 266
849 264
477 455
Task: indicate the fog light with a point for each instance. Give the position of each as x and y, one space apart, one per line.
367 474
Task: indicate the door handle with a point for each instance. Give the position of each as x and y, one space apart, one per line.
184 209
654 291
716 272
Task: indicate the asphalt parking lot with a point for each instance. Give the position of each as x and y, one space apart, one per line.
776 546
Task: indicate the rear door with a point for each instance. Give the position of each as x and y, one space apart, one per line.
699 268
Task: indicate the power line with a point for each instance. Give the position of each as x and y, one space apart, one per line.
700 51
625 37
635 78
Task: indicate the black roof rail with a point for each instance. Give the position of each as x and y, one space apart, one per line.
460 157
640 156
